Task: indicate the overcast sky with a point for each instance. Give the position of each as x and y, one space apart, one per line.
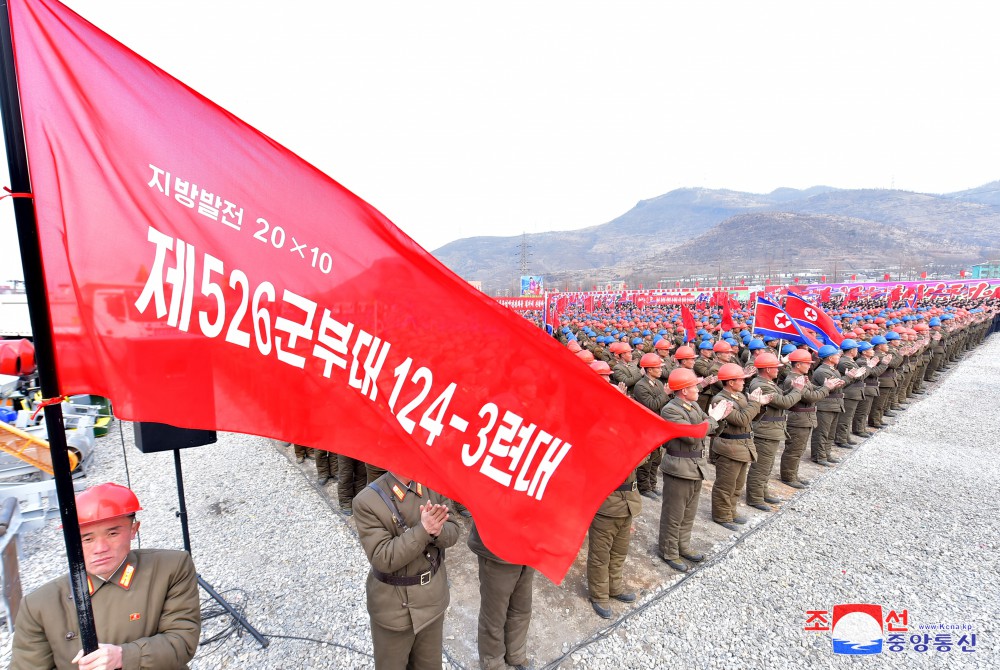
463 118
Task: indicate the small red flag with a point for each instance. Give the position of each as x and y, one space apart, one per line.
687 318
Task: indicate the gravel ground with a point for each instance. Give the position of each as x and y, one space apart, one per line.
907 521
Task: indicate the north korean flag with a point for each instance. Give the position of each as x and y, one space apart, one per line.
769 319
813 317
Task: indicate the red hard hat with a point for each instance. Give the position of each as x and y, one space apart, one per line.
601 368
766 361
17 357
731 371
722 347
573 346
663 343
684 352
650 361
681 378
800 356
920 327
619 348
585 356
105 501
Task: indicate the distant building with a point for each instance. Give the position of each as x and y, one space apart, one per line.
987 270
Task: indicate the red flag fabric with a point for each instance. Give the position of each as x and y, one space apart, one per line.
814 317
885 277
193 265
824 294
852 295
687 318
727 317
894 296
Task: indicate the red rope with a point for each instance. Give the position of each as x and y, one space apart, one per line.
45 403
11 194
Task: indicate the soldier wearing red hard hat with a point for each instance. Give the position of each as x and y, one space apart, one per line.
145 601
684 468
733 448
649 392
769 428
801 416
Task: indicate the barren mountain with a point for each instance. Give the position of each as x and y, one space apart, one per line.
704 231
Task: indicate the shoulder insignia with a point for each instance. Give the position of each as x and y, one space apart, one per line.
398 491
134 616
126 579
420 490
90 585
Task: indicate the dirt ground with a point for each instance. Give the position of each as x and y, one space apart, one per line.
562 615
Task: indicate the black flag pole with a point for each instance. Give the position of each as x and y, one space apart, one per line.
41 329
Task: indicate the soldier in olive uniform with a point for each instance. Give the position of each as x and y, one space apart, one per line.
854 375
505 591
404 529
886 381
623 371
705 366
145 601
769 427
829 408
326 466
608 543
352 477
650 393
801 417
732 448
876 367
684 467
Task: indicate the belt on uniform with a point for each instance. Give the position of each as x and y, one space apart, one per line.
803 409
628 487
773 418
423 579
736 436
836 396
685 454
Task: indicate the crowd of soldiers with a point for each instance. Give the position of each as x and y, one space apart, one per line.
764 400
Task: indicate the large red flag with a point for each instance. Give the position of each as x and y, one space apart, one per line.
193 266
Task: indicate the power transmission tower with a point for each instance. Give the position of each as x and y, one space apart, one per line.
525 254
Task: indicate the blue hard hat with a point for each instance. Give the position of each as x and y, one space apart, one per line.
864 346
828 350
768 338
746 339
744 333
756 345
646 332
891 336
878 339
657 338
705 344
848 344
787 349
636 340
